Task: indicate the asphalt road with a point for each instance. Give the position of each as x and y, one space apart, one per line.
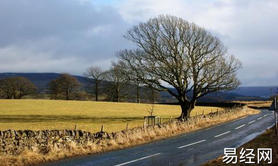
193 148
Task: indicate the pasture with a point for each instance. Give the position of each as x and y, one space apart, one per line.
86 115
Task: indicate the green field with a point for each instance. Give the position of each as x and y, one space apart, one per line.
86 115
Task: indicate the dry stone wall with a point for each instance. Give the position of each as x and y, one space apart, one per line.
14 142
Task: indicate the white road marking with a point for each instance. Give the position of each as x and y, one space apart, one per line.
142 158
208 128
251 121
240 126
191 144
260 118
242 117
265 115
222 134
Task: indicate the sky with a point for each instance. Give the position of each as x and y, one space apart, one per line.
68 36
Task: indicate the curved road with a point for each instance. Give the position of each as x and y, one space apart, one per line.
193 148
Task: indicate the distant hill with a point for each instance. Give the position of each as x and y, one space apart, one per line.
41 80
216 97
264 92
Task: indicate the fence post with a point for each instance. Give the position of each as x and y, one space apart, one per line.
275 115
101 130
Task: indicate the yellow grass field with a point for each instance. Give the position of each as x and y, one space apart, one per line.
256 104
86 115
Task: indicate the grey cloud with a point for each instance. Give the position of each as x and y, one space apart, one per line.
70 35
61 30
31 19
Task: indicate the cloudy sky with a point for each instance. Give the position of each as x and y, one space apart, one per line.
71 35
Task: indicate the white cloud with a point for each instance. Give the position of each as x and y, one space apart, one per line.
248 28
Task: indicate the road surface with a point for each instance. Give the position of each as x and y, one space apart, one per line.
193 148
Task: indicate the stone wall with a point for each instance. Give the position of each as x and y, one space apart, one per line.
14 142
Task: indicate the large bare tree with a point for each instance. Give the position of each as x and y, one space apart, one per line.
173 52
96 74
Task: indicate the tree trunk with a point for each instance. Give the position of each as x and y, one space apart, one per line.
137 93
20 95
186 109
13 96
152 97
96 93
117 93
67 94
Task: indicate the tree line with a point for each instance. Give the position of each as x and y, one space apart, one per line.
105 85
16 87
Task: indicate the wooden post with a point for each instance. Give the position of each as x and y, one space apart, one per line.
275 116
276 126
101 130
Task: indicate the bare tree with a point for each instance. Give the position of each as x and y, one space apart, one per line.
173 52
64 87
96 74
134 81
132 78
16 87
150 109
117 81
